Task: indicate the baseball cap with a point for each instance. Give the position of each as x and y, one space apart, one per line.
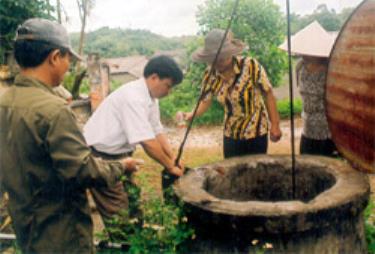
39 29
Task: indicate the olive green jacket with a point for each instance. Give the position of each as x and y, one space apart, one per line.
46 166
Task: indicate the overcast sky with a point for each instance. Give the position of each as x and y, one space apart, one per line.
167 17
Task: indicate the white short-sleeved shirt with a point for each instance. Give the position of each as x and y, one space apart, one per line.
125 118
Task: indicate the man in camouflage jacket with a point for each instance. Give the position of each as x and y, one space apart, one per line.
45 164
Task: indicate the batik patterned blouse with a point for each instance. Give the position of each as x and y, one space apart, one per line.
242 97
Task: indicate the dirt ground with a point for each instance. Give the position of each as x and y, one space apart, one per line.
212 136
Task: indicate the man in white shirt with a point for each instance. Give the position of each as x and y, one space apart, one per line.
130 116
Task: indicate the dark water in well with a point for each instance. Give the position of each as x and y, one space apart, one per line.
269 183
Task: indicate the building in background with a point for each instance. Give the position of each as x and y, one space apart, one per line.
126 69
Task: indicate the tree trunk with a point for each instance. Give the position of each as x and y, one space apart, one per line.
48 8
84 15
83 10
77 84
58 7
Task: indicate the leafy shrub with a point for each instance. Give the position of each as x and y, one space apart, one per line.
69 81
370 227
161 228
115 84
283 107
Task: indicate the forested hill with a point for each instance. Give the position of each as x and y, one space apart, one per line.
117 42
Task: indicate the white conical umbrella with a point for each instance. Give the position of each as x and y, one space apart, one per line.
312 40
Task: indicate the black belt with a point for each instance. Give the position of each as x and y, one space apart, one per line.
107 156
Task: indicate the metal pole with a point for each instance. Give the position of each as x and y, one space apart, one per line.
180 150
291 102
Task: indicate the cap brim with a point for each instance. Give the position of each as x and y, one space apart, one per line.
201 56
75 55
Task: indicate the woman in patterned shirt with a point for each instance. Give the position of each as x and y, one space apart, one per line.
311 77
241 85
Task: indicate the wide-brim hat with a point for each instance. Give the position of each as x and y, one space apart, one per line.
48 31
313 40
212 42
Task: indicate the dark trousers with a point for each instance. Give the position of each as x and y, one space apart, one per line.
124 195
324 147
240 147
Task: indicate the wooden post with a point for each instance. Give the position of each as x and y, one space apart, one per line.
105 77
98 79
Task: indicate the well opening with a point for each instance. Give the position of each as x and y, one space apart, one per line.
268 182
232 202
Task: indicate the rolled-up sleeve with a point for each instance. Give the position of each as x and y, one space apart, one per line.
72 158
263 80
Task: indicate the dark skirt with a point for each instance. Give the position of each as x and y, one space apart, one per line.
324 147
240 147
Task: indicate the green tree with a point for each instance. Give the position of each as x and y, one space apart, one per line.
345 14
13 13
259 23
116 42
329 19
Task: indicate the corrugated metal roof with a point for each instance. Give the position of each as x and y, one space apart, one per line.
131 64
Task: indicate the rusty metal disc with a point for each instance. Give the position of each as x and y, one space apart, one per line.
350 89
